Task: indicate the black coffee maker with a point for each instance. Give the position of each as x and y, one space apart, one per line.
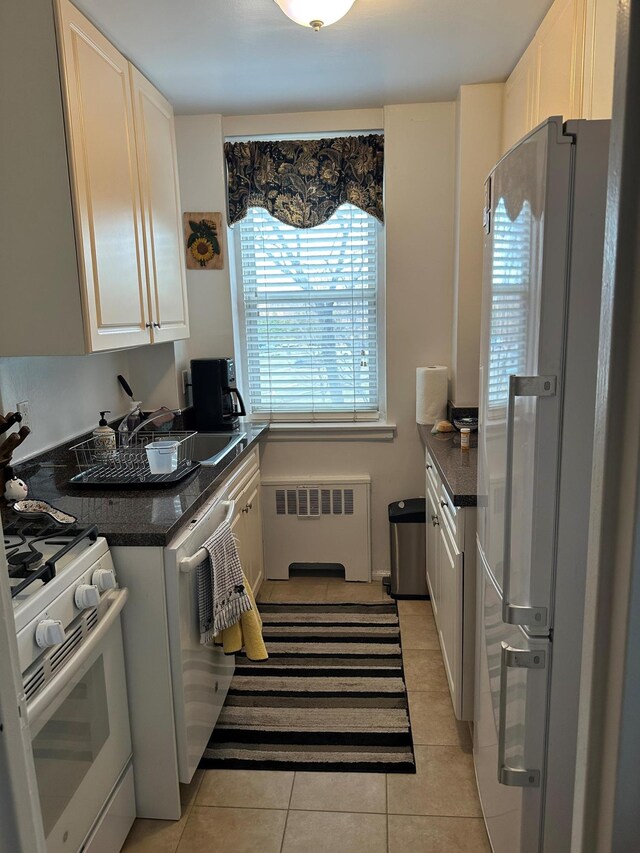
213 384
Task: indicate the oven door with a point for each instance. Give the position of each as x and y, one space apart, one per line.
80 736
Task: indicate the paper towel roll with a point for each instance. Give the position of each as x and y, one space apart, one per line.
431 393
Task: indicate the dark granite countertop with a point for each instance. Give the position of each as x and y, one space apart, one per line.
458 469
129 517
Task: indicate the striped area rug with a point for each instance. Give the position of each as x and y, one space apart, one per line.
331 696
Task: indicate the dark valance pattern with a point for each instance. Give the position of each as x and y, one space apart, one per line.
303 183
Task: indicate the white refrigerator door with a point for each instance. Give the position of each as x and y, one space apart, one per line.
510 717
524 294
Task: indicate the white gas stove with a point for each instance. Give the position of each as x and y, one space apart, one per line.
66 605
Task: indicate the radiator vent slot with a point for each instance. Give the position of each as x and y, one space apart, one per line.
281 506
348 501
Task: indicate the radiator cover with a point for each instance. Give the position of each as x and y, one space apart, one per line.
317 520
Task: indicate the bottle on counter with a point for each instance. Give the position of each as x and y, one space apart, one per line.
104 439
465 438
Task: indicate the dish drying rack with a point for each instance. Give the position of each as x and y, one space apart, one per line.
127 466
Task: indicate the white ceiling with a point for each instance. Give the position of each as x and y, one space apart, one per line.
245 56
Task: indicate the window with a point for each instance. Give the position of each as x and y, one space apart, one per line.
308 303
510 293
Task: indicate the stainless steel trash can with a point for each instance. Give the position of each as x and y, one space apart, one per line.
407 537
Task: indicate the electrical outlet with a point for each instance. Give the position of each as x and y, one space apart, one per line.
24 410
186 381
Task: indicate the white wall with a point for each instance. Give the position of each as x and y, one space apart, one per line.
67 393
478 149
203 189
419 194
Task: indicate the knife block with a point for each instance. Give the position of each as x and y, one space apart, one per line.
9 445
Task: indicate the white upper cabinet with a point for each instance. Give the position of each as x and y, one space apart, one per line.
567 69
105 185
158 168
89 179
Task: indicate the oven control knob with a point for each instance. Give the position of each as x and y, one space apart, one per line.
87 595
104 579
49 632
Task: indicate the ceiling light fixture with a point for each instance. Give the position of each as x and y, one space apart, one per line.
315 13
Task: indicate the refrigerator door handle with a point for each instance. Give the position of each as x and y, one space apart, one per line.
519 386
518 659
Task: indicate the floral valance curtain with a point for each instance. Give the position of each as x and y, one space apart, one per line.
302 183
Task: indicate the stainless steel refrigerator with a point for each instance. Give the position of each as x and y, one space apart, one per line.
544 232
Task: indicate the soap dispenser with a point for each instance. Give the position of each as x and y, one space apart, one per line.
104 439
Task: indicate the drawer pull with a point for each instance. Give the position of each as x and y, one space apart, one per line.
444 504
434 519
429 467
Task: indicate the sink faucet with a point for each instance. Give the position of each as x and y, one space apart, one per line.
126 435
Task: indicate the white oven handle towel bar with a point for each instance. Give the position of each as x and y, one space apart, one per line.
189 563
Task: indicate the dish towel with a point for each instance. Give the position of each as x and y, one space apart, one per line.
246 633
222 595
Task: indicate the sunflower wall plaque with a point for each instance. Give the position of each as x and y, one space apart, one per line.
203 241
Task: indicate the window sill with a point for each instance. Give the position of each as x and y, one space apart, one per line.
332 431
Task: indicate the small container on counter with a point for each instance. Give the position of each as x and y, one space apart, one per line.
465 438
162 456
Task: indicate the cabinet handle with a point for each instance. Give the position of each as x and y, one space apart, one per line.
157 326
434 519
429 467
249 506
147 325
443 504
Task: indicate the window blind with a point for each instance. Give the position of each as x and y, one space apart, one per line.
511 271
310 305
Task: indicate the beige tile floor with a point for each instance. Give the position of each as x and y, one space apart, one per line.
435 810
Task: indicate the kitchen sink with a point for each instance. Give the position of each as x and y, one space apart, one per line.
208 448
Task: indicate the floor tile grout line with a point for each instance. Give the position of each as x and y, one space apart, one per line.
288 809
286 820
189 811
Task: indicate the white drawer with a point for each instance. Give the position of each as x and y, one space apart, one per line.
432 472
451 517
241 476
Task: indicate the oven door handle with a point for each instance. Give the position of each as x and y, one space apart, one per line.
189 563
77 661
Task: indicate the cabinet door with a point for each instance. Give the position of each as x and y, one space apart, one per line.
239 530
105 185
559 44
158 168
450 621
519 97
254 532
599 58
432 523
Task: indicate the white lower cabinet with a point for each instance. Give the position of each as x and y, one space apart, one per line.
247 523
451 582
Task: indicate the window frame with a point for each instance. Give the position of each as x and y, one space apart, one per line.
240 341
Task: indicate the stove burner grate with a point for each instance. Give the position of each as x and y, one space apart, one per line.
26 564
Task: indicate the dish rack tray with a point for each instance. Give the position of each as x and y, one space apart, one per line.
127 466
